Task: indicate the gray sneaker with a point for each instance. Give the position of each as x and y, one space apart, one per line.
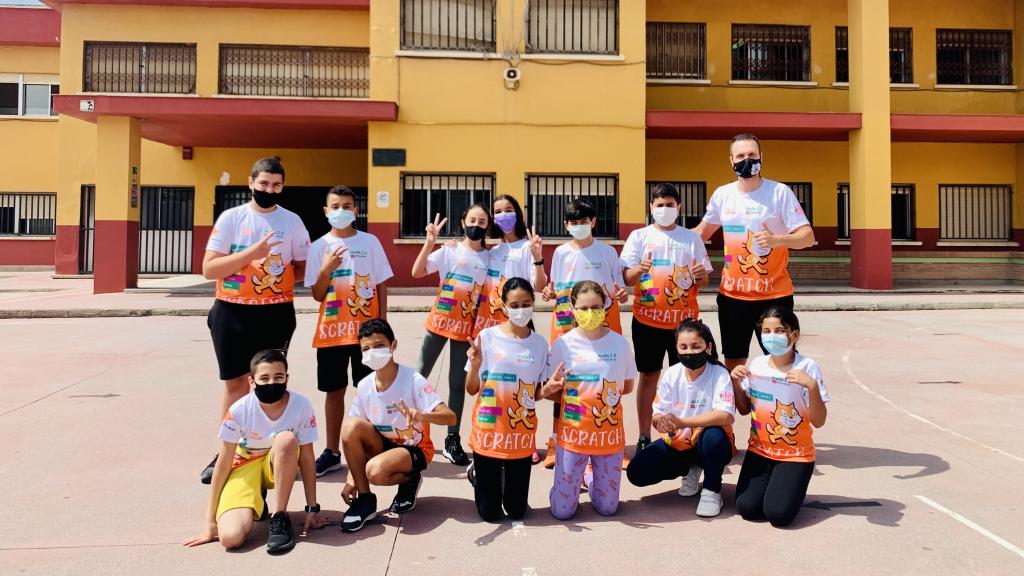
691 482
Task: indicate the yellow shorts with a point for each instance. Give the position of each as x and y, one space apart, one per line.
245 486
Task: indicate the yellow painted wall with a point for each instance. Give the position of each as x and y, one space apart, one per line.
29 60
30 144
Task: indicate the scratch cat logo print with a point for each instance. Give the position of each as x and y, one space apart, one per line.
779 428
786 420
362 289
679 285
610 401
273 268
757 257
524 412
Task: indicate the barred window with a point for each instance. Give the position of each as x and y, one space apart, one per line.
547 195
803 191
975 212
310 72
771 52
903 211
28 214
572 27
464 25
427 194
974 56
676 51
131 67
901 55
843 211
694 196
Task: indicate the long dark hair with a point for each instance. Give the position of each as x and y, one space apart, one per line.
520 229
462 220
701 329
785 316
516 283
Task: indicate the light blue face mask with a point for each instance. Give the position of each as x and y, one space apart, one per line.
776 344
341 218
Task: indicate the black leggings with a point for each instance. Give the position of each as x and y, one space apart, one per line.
659 461
771 489
501 482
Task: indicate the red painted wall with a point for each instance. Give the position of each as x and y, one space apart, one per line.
26 252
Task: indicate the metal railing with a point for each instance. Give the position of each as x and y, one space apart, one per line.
901 55
424 195
144 68
804 194
547 195
771 52
843 211
463 25
676 51
165 229
28 214
298 71
694 197
902 205
572 27
974 56
975 212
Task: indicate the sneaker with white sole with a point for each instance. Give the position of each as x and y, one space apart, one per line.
710 504
405 499
363 509
327 462
691 482
453 450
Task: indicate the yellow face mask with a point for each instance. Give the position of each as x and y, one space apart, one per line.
589 319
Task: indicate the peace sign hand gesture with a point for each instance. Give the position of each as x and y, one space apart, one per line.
333 259
556 383
411 414
474 354
536 245
435 228
262 248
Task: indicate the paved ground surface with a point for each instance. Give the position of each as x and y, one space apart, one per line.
107 422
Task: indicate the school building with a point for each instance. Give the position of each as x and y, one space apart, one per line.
127 126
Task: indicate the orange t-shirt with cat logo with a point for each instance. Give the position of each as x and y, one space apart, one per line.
463 272
382 408
270 280
352 296
504 416
750 272
596 374
680 397
570 266
666 295
779 424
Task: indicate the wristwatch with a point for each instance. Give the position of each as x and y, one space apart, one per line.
538 262
315 509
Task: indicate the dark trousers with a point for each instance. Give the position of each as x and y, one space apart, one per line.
659 461
771 489
501 483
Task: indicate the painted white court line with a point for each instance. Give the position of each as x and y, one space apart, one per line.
922 419
972 525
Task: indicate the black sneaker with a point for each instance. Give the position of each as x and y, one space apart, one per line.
363 509
327 462
207 476
642 442
405 500
281 538
453 450
471 473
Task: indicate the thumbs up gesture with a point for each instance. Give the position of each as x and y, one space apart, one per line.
621 294
766 238
647 262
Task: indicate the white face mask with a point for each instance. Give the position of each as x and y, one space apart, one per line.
376 358
579 231
665 215
520 316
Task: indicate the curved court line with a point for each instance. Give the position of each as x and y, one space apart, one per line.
849 372
973 526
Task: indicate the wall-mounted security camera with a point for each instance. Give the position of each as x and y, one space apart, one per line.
512 77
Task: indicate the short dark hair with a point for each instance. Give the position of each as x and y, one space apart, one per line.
515 283
272 356
520 230
741 138
269 165
666 190
376 326
343 191
579 209
587 286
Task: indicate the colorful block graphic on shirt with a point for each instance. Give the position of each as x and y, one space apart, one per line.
351 299
780 428
665 296
591 416
563 319
455 309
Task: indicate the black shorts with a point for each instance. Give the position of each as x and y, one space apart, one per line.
737 319
419 459
332 367
650 345
239 331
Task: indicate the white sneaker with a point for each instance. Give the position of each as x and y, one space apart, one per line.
710 504
691 482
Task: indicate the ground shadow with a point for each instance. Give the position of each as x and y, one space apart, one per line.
329 535
857 457
820 507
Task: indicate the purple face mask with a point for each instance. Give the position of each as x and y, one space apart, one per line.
506 221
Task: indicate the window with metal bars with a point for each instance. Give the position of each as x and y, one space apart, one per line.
676 51
165 229
901 55
144 68
694 198
803 191
978 57
426 194
302 71
572 27
547 195
29 214
975 212
771 52
463 25
903 211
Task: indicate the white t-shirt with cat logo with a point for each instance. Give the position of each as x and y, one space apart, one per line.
680 397
382 408
248 426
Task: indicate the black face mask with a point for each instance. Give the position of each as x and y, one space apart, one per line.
265 199
475 233
694 361
270 393
747 168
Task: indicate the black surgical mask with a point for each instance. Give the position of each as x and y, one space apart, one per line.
747 168
270 393
265 199
694 361
475 233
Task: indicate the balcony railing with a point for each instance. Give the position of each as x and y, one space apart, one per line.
142 68
296 71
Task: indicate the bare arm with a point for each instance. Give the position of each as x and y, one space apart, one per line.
705 230
419 267
307 469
